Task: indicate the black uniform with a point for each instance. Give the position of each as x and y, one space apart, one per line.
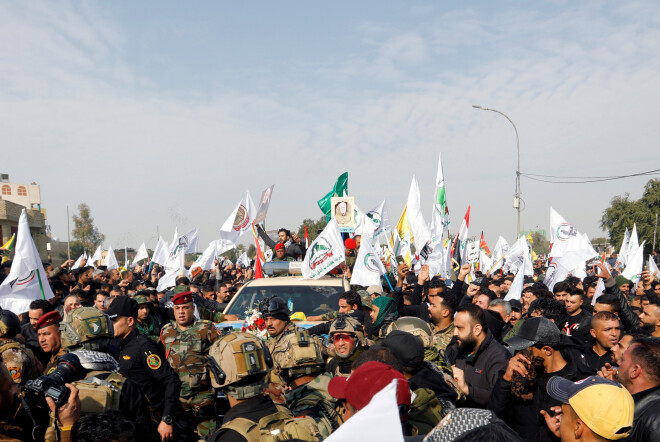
143 361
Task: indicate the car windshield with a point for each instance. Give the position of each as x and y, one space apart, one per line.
311 300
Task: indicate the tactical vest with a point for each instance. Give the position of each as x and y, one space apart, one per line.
279 426
96 395
187 352
313 400
23 370
426 411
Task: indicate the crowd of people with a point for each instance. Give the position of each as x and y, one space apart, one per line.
111 357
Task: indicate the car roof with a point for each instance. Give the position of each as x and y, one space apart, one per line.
297 281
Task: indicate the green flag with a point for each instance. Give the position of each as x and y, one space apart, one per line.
340 189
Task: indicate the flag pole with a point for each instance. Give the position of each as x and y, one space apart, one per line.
68 239
41 286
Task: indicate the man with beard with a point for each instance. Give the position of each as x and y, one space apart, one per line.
650 319
520 393
276 315
480 358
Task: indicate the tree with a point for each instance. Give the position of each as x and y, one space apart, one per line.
252 251
85 234
540 245
624 212
313 228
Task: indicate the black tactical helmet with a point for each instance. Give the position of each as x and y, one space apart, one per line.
276 307
10 325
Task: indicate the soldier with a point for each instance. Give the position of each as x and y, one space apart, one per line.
141 360
148 323
19 360
240 362
422 329
187 342
300 359
276 314
347 335
280 253
50 339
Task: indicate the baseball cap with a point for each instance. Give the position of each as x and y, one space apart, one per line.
535 331
515 305
605 406
377 289
367 380
122 306
366 299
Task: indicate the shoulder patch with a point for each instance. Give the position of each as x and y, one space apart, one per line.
126 357
153 361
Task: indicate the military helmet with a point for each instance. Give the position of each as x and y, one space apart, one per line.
87 324
298 354
239 363
346 324
274 306
415 326
10 325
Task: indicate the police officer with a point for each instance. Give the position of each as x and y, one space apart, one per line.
143 361
276 314
300 358
240 362
187 342
18 359
346 333
49 338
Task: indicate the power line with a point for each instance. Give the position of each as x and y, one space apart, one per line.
584 180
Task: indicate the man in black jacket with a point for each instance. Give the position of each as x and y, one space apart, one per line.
480 358
293 245
538 359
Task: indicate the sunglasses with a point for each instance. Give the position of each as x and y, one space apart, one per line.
342 337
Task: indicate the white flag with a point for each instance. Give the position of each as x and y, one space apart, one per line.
461 237
364 225
562 234
368 267
600 288
110 259
76 264
173 267
485 263
515 291
379 215
161 252
633 270
326 252
141 254
97 256
623 251
206 260
500 250
652 267
187 242
633 243
243 260
440 214
418 227
27 279
239 220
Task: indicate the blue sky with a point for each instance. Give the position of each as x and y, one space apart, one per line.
163 113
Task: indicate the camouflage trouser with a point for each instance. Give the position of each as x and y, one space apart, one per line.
201 408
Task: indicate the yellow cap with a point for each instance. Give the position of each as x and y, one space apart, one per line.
298 316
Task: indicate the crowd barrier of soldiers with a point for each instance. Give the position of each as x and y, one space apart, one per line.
112 358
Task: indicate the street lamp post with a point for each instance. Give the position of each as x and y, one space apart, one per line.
516 200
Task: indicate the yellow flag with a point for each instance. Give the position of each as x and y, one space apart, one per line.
530 239
8 246
405 237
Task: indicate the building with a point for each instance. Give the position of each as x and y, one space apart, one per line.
13 199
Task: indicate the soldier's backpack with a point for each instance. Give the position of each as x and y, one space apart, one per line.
280 426
97 395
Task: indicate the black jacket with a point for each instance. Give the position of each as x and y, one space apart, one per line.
293 249
482 369
524 416
580 330
434 380
629 318
143 361
646 423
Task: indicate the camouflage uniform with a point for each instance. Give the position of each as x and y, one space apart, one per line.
275 345
313 400
19 361
150 328
187 351
54 360
442 337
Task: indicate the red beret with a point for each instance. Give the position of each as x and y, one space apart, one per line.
350 243
182 298
367 380
49 318
280 246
